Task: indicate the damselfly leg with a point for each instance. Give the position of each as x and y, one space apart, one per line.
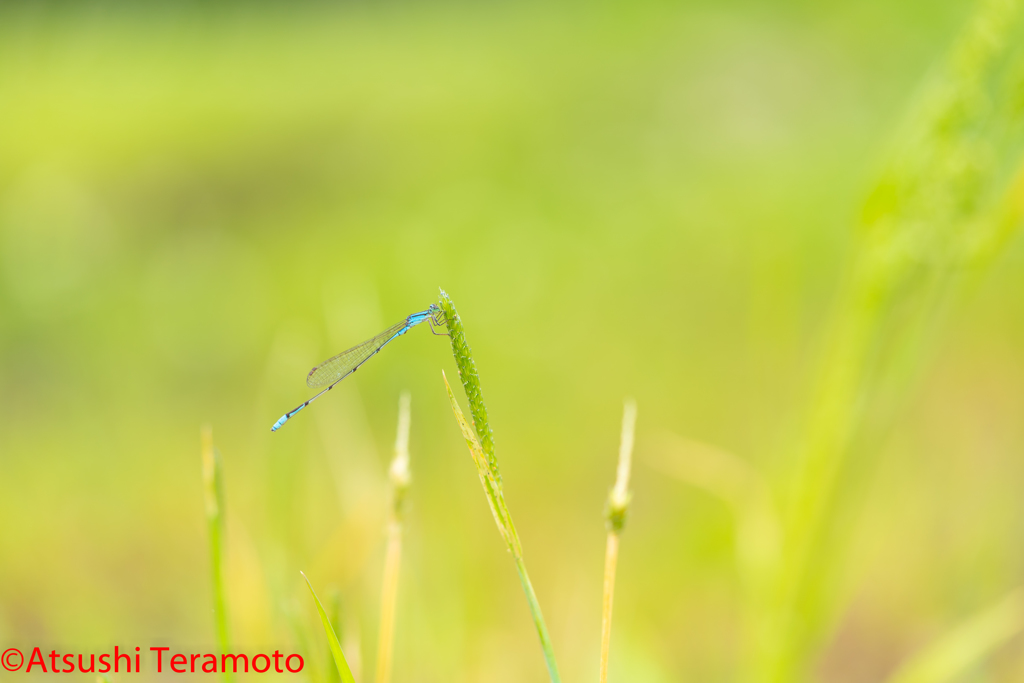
441 320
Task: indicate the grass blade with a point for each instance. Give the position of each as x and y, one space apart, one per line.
334 605
956 653
213 494
339 657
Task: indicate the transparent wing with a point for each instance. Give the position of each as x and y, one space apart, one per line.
336 367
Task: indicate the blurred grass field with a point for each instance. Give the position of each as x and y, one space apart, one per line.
200 201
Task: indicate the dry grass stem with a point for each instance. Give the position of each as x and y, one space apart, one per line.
618 503
400 478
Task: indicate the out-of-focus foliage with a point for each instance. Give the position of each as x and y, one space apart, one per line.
198 202
961 650
950 191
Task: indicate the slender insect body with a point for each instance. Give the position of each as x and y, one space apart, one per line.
338 367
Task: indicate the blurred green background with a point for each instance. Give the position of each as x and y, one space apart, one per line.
200 201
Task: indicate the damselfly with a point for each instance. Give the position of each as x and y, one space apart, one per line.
337 368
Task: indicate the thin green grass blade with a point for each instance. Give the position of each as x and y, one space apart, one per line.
339 657
213 494
319 669
334 602
965 647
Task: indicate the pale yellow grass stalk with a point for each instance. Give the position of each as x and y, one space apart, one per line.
618 502
399 475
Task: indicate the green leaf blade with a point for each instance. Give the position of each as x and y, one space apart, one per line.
339 657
